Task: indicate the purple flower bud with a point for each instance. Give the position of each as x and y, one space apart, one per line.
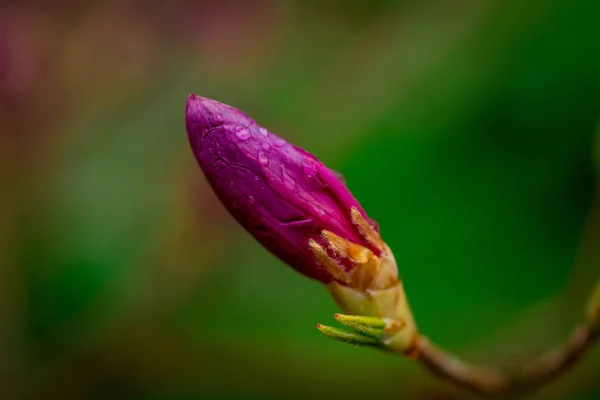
285 197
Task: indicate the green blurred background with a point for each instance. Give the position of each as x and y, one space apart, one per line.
466 128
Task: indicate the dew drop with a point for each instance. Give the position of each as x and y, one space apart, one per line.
242 132
266 146
263 131
279 142
263 159
251 200
309 171
256 178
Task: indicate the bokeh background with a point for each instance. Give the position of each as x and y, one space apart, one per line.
467 128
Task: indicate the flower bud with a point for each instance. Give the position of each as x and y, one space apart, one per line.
287 199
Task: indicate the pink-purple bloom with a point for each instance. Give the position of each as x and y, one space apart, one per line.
279 193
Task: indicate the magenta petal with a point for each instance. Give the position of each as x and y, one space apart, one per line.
281 194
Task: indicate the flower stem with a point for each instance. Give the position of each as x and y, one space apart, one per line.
497 382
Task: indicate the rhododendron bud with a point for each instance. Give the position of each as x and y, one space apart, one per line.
297 208
286 198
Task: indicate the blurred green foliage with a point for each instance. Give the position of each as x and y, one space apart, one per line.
466 128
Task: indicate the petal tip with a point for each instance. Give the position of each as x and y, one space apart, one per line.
201 114
204 113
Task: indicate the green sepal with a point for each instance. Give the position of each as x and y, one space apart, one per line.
369 326
371 322
355 338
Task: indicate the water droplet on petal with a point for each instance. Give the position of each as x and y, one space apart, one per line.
309 171
263 131
231 183
263 159
266 146
242 132
279 142
251 200
256 177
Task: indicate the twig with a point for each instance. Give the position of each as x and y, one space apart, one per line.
497 382
475 378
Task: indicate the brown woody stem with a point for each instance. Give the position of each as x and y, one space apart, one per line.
497 382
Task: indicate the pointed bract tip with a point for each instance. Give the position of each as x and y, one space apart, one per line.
198 117
202 114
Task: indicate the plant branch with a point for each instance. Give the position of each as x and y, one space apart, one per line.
497 382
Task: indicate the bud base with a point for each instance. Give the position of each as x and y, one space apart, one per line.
390 305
